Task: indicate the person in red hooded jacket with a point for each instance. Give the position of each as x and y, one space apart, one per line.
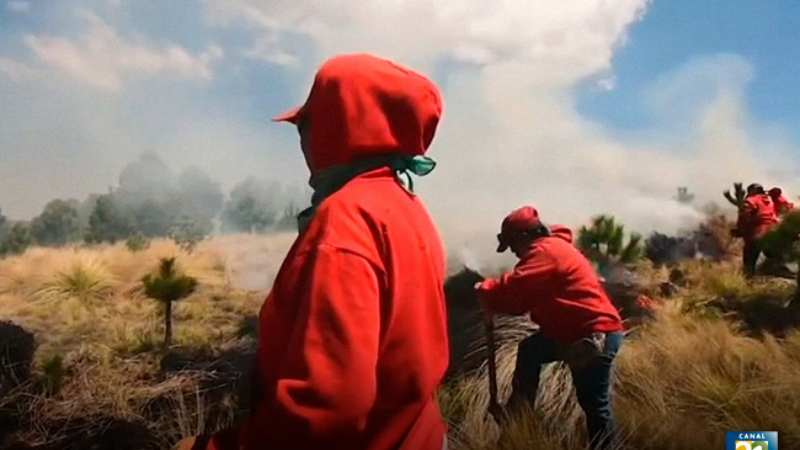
558 287
353 336
782 204
757 216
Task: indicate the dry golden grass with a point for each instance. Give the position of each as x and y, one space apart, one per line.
86 308
98 392
683 379
701 377
91 297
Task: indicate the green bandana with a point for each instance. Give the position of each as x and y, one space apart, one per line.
418 165
334 178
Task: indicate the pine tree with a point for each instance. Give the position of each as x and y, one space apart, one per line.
108 223
604 242
168 286
288 220
252 206
57 225
17 240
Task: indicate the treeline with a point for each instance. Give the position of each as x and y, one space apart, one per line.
153 201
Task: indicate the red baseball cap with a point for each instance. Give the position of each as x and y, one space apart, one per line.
518 221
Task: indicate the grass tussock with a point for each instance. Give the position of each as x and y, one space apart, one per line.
85 280
726 281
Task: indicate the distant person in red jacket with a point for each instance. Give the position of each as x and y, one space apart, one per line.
558 287
353 337
782 204
757 217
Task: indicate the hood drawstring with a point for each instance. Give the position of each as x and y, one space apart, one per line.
334 178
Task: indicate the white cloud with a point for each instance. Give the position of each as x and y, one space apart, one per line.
682 91
18 6
267 49
17 71
104 59
607 84
566 40
267 46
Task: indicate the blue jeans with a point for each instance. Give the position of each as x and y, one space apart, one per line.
592 383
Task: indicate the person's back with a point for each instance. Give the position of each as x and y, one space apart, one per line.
583 305
559 287
758 216
371 229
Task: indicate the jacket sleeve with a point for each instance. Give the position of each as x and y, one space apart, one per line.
327 386
514 292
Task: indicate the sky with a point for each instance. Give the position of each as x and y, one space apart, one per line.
579 107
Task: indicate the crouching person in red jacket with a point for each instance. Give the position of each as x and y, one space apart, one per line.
557 286
353 337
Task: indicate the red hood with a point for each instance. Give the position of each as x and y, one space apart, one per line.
362 106
561 232
556 231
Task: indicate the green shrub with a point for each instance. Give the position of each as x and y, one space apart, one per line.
187 233
137 243
17 239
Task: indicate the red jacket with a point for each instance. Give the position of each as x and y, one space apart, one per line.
782 204
756 217
558 287
353 337
354 333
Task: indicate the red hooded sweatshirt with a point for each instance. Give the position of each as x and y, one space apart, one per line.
757 217
782 204
353 337
558 287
